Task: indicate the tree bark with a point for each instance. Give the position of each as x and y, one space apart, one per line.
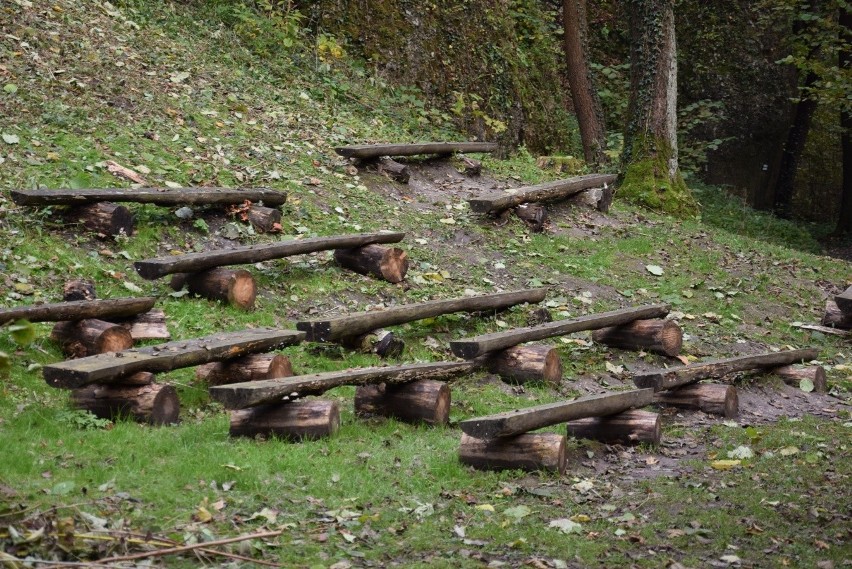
387 263
373 151
295 421
835 317
793 375
844 222
630 427
233 286
104 218
78 289
149 325
712 398
496 202
264 219
254 367
526 364
524 420
78 310
587 104
655 335
81 338
531 452
425 401
156 404
157 196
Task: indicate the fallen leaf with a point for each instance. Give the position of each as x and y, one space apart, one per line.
565 525
654 270
741 452
11 138
485 507
517 512
789 451
806 385
725 464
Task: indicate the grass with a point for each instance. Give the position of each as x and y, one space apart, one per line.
379 491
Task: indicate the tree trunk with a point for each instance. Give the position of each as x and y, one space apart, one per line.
712 398
651 175
533 451
254 367
844 222
425 401
655 335
104 218
78 289
81 338
234 286
587 104
630 427
156 404
388 263
793 375
295 421
528 363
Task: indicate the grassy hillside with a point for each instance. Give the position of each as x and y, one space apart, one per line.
184 99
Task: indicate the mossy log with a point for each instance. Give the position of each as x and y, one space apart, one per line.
655 335
631 427
294 421
254 367
425 401
387 263
155 403
712 398
531 452
81 338
526 364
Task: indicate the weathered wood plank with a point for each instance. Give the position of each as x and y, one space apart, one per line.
496 202
157 196
111 368
194 262
684 375
78 310
469 348
253 393
522 421
359 323
372 151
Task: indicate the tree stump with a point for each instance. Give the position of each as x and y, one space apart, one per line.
793 375
712 398
527 363
298 420
425 401
835 317
78 289
155 403
234 286
104 218
253 367
655 335
81 338
264 219
530 451
388 263
627 428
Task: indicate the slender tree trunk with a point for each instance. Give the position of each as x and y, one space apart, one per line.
587 104
844 224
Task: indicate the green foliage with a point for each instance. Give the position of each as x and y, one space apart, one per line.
693 149
22 332
82 420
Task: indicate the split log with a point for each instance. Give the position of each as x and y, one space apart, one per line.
844 301
835 317
531 452
631 427
264 219
372 151
255 367
81 338
78 310
479 345
655 335
299 420
78 289
360 323
111 368
251 394
149 325
715 369
525 364
532 418
156 404
793 375
712 398
383 343
388 263
533 214
158 196
394 170
104 218
233 286
195 262
472 167
593 198
425 401
560 189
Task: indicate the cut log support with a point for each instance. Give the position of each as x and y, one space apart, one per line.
593 198
715 369
712 398
264 219
233 286
252 394
425 401
844 301
526 364
158 196
793 375
295 421
104 218
387 263
383 343
137 379
149 325
471 167
111 368
360 323
393 170
373 151
255 367
496 202
524 420
78 310
78 289
631 427
155 404
473 347
834 317
531 452
195 262
655 335
533 214
81 338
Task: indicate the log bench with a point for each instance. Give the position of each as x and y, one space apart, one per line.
374 151
496 202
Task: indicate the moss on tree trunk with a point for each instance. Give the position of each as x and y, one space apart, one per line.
649 181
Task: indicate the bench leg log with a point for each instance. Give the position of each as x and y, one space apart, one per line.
81 338
627 428
254 367
234 286
298 420
425 401
792 375
383 343
533 214
528 363
78 289
388 263
149 325
264 219
655 335
530 451
836 318
156 404
104 218
712 398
